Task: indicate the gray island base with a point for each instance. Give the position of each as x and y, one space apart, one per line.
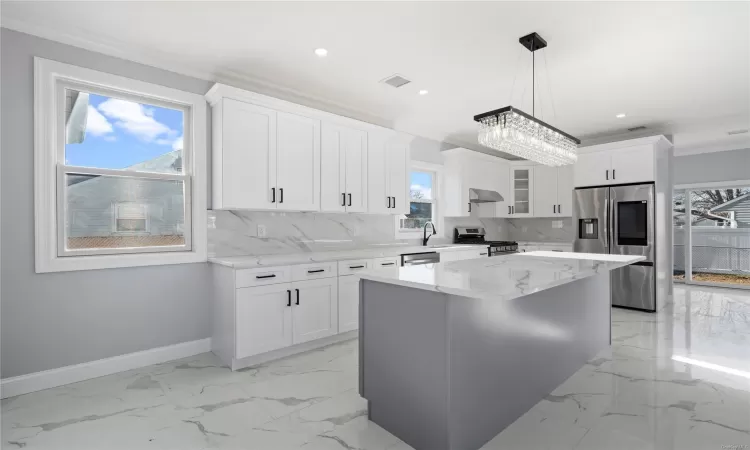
449 372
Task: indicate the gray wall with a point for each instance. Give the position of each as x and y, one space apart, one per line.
711 167
57 319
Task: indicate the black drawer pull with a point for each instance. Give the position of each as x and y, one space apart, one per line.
273 195
316 271
483 253
281 192
394 202
297 295
356 267
387 264
288 297
265 276
350 199
343 199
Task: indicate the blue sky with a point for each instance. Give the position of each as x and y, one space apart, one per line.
421 181
121 133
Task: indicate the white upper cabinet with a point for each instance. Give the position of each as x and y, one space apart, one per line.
565 190
623 162
297 162
387 172
244 155
271 154
545 191
343 167
522 191
553 191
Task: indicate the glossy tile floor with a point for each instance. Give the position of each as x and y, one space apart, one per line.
679 379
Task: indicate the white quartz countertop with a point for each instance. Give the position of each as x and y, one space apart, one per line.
502 277
379 251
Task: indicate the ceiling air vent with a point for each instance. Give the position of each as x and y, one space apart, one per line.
737 132
396 81
638 128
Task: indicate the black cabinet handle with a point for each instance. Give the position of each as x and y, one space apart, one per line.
288 297
553 208
356 267
613 174
607 174
387 264
559 209
265 276
297 295
389 202
343 199
394 201
273 195
483 253
469 206
508 209
350 199
281 193
316 271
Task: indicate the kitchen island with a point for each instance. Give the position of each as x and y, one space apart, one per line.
452 353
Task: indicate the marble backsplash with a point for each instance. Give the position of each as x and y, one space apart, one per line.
531 229
540 229
235 233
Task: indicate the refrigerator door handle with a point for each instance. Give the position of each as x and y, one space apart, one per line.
606 223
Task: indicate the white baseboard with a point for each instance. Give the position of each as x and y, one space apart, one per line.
23 384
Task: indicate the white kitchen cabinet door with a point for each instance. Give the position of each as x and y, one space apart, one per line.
314 309
247 156
348 303
332 168
263 319
632 165
593 169
522 185
397 163
378 198
565 191
356 170
474 254
501 184
545 191
298 162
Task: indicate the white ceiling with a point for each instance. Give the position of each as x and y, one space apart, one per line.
680 68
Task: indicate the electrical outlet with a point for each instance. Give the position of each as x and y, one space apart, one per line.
524 229
557 224
261 231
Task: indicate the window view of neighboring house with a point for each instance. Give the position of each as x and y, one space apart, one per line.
422 206
111 211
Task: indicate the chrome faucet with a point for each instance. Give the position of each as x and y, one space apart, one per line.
426 238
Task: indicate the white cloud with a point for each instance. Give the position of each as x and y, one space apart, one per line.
110 138
426 192
134 118
97 124
177 144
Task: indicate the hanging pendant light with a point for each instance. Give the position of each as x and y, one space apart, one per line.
513 131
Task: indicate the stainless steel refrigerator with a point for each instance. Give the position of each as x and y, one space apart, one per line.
619 220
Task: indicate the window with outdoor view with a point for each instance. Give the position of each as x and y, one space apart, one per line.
422 204
116 166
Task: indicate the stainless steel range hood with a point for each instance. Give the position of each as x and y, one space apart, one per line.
484 196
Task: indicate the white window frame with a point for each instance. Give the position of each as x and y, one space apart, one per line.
437 171
49 167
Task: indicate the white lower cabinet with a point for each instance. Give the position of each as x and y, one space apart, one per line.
263 320
314 310
348 303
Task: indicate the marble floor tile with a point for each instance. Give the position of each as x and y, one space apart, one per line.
677 379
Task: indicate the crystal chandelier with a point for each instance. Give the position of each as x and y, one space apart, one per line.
513 131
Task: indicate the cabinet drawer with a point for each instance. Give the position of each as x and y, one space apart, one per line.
386 262
353 266
262 276
312 271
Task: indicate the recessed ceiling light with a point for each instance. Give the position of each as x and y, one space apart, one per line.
620 116
321 52
423 92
